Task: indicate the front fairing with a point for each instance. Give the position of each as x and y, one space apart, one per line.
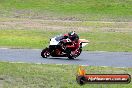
56 40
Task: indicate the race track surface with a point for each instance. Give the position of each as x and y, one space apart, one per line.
114 59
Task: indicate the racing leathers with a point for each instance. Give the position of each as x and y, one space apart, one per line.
74 42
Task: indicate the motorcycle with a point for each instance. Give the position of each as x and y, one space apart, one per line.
62 47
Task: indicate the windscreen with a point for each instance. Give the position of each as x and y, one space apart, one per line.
58 38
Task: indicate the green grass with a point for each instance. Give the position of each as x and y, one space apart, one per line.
17 75
25 38
78 9
109 41
99 41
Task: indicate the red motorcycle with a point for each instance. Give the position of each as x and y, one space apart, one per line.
61 47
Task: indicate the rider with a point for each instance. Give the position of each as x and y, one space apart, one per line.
74 39
72 36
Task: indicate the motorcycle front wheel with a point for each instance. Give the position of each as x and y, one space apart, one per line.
45 53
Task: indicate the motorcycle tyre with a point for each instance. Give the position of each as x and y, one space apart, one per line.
44 51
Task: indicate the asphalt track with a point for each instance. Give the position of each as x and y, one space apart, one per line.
114 59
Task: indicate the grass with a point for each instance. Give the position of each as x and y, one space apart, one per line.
100 41
18 75
25 38
108 41
69 9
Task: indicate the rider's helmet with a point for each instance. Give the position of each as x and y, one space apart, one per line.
72 35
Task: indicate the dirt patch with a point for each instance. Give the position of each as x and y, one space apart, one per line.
66 25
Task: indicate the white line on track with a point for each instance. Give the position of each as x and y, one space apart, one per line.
4 48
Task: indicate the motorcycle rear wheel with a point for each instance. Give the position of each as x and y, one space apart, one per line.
71 57
74 56
45 53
